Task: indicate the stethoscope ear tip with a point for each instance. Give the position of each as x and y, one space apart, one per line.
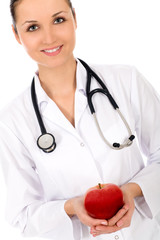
116 145
132 137
127 144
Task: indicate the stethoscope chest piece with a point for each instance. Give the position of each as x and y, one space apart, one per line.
46 142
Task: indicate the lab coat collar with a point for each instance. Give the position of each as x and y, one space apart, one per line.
42 97
81 77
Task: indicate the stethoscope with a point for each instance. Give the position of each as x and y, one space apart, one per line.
46 141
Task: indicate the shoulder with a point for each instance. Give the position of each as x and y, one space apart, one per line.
114 69
116 76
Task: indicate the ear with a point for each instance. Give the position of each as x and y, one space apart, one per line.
16 35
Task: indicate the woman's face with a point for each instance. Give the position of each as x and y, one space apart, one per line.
46 29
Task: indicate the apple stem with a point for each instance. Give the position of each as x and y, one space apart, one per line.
100 187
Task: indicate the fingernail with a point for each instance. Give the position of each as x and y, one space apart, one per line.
104 223
98 229
94 234
119 224
127 207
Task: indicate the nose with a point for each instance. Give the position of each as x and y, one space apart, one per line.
49 36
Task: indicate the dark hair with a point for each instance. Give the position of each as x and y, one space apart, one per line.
13 4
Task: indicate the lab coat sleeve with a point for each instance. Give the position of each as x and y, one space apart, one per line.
146 108
26 206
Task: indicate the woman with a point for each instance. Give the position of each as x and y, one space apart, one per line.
46 190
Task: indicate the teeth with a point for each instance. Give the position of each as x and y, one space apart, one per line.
52 50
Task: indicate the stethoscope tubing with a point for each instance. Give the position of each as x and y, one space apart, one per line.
35 105
105 91
46 141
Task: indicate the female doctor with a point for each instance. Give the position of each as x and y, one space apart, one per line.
46 187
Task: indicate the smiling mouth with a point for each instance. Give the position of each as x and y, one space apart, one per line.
52 50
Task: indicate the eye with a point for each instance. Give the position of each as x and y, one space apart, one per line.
59 20
32 28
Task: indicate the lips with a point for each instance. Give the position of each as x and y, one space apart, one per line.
52 51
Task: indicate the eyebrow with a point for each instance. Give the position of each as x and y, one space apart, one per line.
34 21
54 15
30 21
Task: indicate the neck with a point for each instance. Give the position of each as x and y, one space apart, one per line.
59 80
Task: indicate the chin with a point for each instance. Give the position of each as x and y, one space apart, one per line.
56 62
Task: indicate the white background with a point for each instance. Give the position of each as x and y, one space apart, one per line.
109 31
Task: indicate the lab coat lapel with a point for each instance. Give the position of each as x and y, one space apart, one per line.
80 106
80 96
54 115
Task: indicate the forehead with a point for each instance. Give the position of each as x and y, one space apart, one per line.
38 9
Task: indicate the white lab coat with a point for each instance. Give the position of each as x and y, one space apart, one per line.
39 184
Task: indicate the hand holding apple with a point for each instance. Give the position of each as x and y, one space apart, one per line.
123 217
103 201
75 206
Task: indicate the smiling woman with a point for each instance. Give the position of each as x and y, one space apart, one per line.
49 34
46 185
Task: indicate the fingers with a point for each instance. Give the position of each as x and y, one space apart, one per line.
89 221
121 220
118 216
83 215
125 221
103 230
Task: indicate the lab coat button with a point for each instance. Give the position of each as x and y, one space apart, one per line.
116 237
82 144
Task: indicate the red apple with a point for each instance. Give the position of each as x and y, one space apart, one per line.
103 201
